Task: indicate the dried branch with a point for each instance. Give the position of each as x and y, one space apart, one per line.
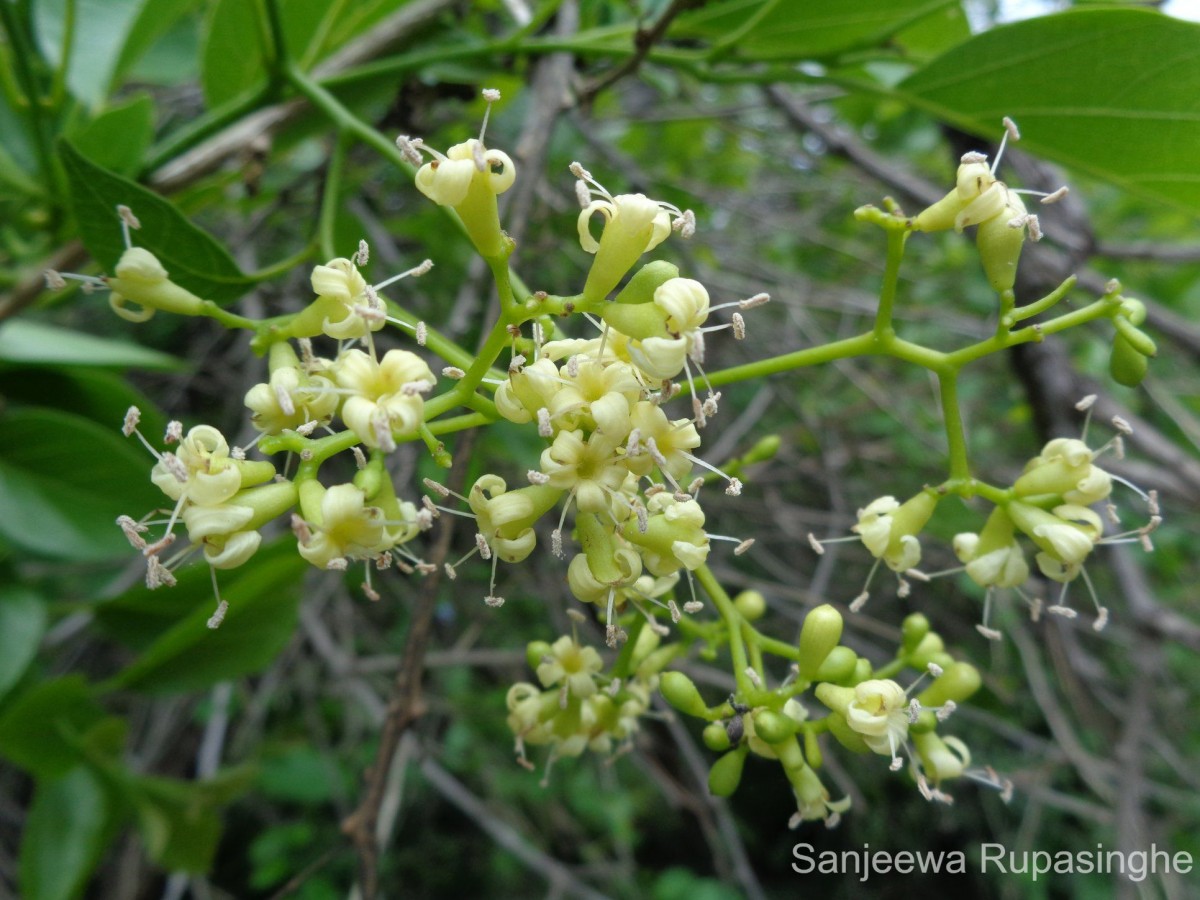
406 704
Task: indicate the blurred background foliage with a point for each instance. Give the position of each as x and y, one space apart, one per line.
142 755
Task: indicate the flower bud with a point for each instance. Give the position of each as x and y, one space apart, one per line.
1126 365
913 631
716 738
751 604
930 649
973 179
1138 339
820 634
941 758
535 652
773 727
646 280
1000 242
838 666
958 682
678 690
726 773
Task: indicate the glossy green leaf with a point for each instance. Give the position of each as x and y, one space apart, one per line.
65 834
1111 92
35 730
63 482
119 137
26 342
192 257
100 28
794 31
22 622
263 596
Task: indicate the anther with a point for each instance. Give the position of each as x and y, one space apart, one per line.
693 606
453 372
1055 196
133 415
1122 425
485 551
1086 403
536 477
545 429
494 601
817 546
860 601
54 280
215 620
739 327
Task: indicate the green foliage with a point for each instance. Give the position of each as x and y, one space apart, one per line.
1110 92
71 478
65 835
195 260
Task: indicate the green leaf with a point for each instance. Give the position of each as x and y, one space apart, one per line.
263 601
793 31
100 29
96 394
22 623
1111 92
192 257
65 834
119 137
23 341
63 482
140 616
34 730
180 821
232 62
157 19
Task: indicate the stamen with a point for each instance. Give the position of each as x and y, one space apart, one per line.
363 254
490 96
128 220
217 617
409 149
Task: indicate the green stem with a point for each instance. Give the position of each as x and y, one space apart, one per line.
733 621
330 196
891 279
956 438
860 345
22 56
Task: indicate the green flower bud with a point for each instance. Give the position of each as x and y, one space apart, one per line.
862 671
958 682
678 690
726 773
913 631
820 634
941 758
838 667
1134 310
773 727
1138 339
1000 245
1126 365
930 645
716 738
751 604
926 721
535 652
637 321
646 280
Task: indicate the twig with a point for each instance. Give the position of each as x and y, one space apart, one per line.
644 40
406 704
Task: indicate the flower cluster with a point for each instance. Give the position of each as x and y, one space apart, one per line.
577 706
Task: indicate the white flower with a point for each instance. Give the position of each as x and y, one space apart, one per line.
387 394
447 179
879 712
346 528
